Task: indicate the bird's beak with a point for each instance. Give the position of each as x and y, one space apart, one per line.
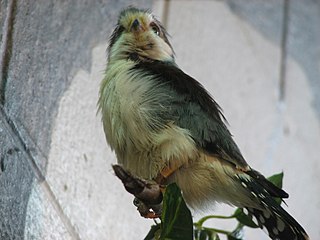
136 26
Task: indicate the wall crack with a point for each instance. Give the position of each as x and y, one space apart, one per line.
6 47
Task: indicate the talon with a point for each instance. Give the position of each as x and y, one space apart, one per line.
136 202
144 209
147 191
148 194
151 215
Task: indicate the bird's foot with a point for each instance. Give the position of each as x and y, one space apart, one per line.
148 211
148 194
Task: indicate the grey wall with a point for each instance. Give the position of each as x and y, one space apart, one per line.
43 44
56 180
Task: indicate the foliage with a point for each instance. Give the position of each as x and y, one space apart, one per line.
176 220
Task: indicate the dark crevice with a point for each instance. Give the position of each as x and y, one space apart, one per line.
2 168
283 57
19 141
15 134
7 44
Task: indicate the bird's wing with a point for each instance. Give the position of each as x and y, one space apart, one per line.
191 107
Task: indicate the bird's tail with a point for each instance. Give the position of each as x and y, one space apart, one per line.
271 216
278 223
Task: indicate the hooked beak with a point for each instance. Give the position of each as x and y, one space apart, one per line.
136 26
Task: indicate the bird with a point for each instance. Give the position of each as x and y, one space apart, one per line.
164 125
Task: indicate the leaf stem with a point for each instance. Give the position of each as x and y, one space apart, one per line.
217 230
202 220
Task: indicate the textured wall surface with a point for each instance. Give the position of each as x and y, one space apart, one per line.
43 46
259 59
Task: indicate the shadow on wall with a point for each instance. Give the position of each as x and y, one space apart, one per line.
303 35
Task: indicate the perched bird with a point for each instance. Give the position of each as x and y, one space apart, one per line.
163 125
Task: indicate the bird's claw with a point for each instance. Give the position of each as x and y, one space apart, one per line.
148 194
148 211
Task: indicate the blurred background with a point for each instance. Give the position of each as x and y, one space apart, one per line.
259 59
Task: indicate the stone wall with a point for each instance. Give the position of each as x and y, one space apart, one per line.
259 59
44 44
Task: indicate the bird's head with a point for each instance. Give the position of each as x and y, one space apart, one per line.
139 36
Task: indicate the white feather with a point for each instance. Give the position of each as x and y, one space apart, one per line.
127 101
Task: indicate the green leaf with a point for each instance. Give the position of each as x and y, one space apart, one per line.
207 234
153 232
276 179
244 218
230 237
176 217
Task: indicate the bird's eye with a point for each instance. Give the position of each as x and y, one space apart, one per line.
155 29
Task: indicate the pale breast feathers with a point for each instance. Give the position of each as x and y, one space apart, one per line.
138 122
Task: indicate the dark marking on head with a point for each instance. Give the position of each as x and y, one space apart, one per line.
119 28
150 45
163 32
134 56
115 36
131 9
142 41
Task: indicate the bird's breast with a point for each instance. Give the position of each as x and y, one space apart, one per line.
124 112
133 106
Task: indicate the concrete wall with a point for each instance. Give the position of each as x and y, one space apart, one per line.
260 60
44 46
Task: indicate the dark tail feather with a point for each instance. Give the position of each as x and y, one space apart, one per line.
279 224
273 190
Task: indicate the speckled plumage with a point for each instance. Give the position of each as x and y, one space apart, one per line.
155 116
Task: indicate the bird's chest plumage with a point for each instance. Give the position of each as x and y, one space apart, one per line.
132 105
125 108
